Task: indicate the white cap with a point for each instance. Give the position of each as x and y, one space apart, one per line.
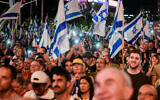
39 77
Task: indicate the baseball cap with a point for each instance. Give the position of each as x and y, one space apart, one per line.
78 61
39 77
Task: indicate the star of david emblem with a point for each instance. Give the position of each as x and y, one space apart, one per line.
66 9
103 15
134 30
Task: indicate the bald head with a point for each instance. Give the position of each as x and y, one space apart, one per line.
112 83
147 92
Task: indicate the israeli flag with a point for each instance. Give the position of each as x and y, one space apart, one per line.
35 36
13 12
115 43
100 18
117 24
72 10
45 40
146 30
133 29
61 29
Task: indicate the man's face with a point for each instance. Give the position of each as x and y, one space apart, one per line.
39 88
78 68
134 60
108 86
35 66
151 45
5 79
87 60
106 56
59 84
147 92
100 64
27 63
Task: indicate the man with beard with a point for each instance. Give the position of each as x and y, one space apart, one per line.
138 78
60 84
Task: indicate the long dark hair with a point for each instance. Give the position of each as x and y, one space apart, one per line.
91 89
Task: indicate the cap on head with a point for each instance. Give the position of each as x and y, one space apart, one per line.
39 77
78 61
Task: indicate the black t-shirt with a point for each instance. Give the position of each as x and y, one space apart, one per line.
137 81
92 68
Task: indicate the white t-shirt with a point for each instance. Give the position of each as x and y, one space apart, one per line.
31 94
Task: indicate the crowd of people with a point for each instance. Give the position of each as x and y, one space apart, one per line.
80 74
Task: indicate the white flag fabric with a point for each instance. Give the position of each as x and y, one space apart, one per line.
13 12
100 18
146 30
45 40
72 10
61 29
115 43
133 29
35 36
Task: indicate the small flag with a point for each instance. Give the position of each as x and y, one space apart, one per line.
100 19
146 30
72 10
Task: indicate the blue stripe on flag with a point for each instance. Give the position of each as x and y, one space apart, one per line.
60 28
132 24
95 18
73 14
135 37
42 43
116 46
146 37
10 15
119 24
56 51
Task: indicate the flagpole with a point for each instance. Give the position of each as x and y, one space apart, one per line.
59 57
42 11
123 44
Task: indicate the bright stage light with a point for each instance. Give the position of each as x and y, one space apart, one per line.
111 2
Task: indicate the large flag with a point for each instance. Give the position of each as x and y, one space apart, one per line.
146 30
72 10
61 29
133 29
100 18
13 12
117 22
115 43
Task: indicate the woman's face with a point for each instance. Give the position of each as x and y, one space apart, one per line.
154 60
84 86
68 66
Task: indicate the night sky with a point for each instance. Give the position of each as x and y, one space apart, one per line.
50 7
